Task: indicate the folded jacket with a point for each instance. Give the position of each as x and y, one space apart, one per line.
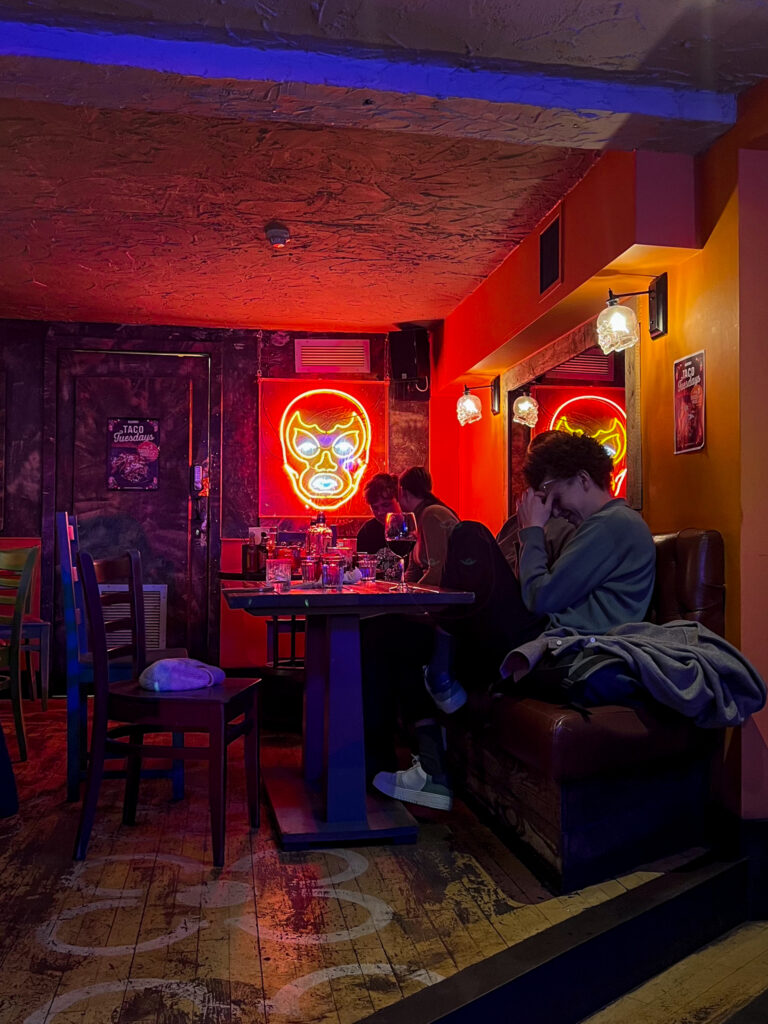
180 674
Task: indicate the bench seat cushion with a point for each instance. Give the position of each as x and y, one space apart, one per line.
564 744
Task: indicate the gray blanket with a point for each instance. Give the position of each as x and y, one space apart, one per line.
681 664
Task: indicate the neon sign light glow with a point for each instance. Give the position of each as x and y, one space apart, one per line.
326 438
612 437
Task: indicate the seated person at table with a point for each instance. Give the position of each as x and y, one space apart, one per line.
603 578
434 524
381 494
415 640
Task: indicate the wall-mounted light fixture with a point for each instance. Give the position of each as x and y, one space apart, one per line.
617 326
525 410
468 407
277 234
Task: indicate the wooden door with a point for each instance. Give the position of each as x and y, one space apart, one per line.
158 509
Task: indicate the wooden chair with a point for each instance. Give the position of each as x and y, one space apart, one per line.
17 567
80 664
225 711
35 638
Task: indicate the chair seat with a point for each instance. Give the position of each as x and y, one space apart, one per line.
224 692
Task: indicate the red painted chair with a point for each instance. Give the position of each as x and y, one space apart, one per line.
17 567
224 712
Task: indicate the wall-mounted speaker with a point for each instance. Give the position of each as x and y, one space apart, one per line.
409 366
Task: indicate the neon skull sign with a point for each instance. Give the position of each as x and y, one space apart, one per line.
326 440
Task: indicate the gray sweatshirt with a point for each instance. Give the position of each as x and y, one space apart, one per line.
603 577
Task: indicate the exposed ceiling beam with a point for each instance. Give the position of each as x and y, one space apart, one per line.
351 86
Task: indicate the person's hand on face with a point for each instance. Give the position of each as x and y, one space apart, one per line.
534 509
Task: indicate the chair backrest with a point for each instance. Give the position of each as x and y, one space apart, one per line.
17 571
102 628
72 600
690 578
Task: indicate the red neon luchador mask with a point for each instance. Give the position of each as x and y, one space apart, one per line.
326 438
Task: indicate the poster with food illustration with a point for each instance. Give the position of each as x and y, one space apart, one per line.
133 452
690 393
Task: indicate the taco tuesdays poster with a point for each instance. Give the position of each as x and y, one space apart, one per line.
690 394
133 452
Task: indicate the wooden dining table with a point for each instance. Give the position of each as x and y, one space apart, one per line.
326 800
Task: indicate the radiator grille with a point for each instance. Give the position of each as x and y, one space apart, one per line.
333 355
155 613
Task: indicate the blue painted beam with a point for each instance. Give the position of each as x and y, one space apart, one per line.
414 75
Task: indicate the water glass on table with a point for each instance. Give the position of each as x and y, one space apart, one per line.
332 574
367 566
279 573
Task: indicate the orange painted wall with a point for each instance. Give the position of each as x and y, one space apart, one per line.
753 368
599 223
698 488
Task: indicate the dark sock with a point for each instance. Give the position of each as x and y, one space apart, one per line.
431 753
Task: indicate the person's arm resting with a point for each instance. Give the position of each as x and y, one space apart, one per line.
590 556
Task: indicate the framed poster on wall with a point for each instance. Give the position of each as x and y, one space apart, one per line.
318 445
690 403
133 452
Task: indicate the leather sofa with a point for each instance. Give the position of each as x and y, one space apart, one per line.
585 796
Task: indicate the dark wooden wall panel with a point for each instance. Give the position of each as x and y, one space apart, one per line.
21 360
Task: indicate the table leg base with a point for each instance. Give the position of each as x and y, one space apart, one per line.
298 813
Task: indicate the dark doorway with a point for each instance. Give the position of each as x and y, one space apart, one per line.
169 525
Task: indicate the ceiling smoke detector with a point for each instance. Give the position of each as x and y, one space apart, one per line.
277 234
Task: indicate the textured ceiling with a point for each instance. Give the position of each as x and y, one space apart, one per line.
137 173
162 218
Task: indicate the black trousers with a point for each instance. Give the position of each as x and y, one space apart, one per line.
395 648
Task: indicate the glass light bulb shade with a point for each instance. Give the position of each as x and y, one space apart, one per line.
469 409
525 410
617 329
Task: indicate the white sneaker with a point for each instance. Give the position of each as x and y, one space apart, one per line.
415 786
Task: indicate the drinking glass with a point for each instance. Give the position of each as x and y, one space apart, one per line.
332 574
367 566
400 527
279 573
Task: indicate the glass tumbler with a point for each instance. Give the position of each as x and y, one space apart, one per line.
279 573
367 566
310 569
333 574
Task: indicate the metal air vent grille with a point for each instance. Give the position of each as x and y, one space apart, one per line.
333 355
155 613
592 364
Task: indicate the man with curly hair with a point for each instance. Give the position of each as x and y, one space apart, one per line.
605 574
603 578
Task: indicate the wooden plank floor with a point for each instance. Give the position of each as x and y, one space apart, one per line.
146 930
705 988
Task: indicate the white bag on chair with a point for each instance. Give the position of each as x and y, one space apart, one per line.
180 674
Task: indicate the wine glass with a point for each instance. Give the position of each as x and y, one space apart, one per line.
400 528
